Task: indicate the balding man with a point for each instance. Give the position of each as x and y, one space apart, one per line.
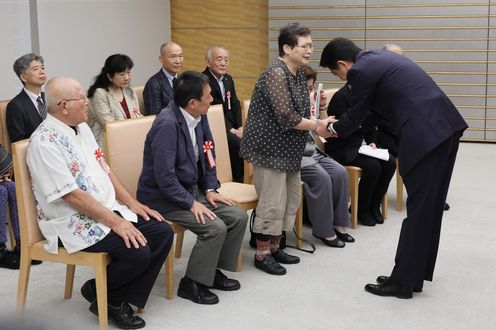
83 206
158 89
223 92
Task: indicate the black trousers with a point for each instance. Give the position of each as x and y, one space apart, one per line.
237 166
132 272
374 182
427 187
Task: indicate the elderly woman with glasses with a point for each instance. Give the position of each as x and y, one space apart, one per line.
273 141
111 96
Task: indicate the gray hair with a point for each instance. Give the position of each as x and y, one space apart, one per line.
208 54
21 65
165 44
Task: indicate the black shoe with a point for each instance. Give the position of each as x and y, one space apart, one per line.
222 282
381 279
123 316
17 250
367 220
196 292
88 290
270 265
446 206
345 237
9 259
337 243
377 215
389 288
283 258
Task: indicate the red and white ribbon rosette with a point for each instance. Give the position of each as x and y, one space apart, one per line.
136 112
228 96
208 146
101 160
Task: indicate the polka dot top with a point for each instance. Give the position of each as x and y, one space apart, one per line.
279 102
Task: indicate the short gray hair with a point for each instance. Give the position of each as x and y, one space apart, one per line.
21 65
208 54
165 44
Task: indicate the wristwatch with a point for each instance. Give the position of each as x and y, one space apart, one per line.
210 190
331 129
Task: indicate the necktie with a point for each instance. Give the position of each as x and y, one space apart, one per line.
41 107
173 81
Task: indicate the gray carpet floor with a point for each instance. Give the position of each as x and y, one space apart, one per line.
324 291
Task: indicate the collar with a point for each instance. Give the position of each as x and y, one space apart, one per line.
168 75
213 75
66 129
32 95
190 120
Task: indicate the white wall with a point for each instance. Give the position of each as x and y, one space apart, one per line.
15 38
76 36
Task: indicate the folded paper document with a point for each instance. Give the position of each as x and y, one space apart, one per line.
376 153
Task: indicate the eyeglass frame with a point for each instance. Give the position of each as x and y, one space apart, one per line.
71 100
306 47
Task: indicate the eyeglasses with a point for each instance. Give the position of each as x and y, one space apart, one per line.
306 47
84 97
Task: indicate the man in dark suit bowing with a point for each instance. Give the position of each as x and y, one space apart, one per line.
27 110
158 89
223 92
429 128
179 179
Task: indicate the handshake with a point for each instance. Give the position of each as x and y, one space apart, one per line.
322 124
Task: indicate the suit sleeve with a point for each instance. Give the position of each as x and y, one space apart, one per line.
363 90
236 107
100 107
209 180
164 150
15 122
338 105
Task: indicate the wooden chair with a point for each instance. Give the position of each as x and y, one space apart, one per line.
5 141
354 174
141 102
127 166
33 243
248 179
243 194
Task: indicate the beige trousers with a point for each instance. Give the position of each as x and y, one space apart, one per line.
279 196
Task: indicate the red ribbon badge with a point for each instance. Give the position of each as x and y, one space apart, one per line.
228 96
208 146
101 160
136 112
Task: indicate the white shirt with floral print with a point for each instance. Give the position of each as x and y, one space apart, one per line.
60 161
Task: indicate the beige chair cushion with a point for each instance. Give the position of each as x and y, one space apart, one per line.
4 133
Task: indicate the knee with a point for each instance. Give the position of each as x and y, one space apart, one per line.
241 218
216 229
165 230
140 257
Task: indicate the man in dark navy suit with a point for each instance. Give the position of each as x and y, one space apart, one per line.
223 92
158 89
27 110
429 128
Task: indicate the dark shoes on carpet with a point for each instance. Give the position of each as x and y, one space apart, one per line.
345 237
390 288
270 265
222 282
88 290
367 220
9 259
196 292
337 243
283 258
377 215
381 279
123 316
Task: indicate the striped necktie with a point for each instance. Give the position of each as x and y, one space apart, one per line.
41 107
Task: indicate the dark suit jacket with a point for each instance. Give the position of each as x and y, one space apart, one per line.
157 93
169 167
404 94
345 150
22 117
233 116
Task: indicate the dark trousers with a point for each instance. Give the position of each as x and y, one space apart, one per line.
374 182
237 166
132 272
427 187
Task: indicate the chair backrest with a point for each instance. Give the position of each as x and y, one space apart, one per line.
218 127
28 218
4 133
125 141
244 112
141 102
